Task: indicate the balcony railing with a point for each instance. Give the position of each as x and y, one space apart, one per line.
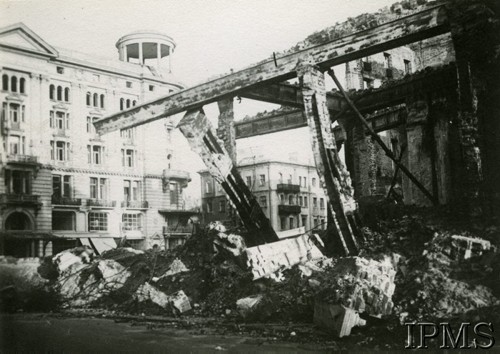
26 159
177 230
176 174
289 209
19 199
101 203
135 204
288 188
65 201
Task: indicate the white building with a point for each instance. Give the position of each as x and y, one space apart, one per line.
59 181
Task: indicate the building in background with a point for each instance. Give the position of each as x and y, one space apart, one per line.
288 192
60 182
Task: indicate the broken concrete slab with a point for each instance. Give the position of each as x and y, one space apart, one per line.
178 300
176 267
65 259
248 304
267 259
336 319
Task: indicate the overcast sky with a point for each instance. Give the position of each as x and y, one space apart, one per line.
212 37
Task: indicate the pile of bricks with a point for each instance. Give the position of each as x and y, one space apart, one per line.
267 259
373 292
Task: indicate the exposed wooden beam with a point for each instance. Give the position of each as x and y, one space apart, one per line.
428 23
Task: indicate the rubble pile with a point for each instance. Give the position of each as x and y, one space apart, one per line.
410 269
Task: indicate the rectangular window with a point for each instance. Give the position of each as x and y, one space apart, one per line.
59 120
305 182
300 180
98 188
304 221
282 198
321 203
59 150
128 134
280 177
128 157
315 202
128 84
18 182
126 190
95 154
60 70
63 220
209 206
292 224
300 200
90 124
283 223
174 193
291 199
314 182
407 64
305 201
136 190
208 186
289 179
132 221
151 88
222 206
98 221
262 180
387 61
249 181
263 201
16 145
61 186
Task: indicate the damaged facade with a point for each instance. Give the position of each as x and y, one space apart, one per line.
60 181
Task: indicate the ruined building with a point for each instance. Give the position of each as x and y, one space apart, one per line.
60 182
443 120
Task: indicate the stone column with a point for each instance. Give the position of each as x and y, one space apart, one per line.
225 130
419 154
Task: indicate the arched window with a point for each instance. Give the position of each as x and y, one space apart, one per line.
13 84
96 100
88 99
128 103
22 85
5 82
122 101
134 102
66 94
59 93
52 92
102 101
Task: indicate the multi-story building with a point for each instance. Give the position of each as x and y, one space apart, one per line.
60 182
289 193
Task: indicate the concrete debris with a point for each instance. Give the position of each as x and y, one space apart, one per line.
234 244
81 284
148 292
20 273
175 268
269 258
248 304
80 255
178 300
470 247
337 319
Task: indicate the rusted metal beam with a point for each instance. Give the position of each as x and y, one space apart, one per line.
380 142
199 133
332 175
428 23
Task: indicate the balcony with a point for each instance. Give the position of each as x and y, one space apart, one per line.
101 203
289 209
176 174
135 204
169 230
22 159
288 188
20 199
57 200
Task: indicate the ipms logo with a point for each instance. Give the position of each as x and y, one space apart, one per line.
468 336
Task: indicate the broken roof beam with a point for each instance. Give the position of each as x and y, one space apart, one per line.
425 24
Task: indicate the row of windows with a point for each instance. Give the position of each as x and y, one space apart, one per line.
95 100
288 223
127 103
13 84
97 221
302 201
59 94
